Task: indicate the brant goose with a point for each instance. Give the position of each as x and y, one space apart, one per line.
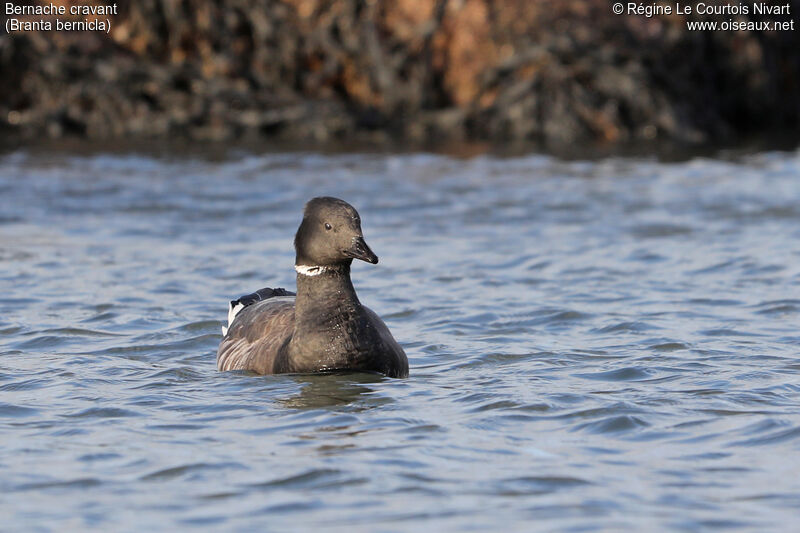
323 327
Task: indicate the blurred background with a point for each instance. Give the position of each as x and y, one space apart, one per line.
551 72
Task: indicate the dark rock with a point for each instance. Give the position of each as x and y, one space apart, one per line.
542 70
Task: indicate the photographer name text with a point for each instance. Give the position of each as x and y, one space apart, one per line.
761 9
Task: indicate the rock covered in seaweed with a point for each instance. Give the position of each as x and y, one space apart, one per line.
543 70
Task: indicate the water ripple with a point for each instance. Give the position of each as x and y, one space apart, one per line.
594 345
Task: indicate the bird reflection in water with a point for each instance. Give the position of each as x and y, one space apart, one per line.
335 389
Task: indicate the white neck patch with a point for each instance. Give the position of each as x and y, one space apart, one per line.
310 270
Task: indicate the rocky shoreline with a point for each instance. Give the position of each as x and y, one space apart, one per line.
548 71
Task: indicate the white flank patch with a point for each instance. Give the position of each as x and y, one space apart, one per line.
232 312
309 270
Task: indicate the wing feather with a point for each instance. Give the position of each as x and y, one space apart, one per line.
256 335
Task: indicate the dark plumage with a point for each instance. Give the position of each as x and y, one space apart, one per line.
261 294
324 327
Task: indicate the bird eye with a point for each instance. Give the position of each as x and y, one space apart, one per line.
327 226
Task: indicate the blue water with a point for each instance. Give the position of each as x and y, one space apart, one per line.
594 345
